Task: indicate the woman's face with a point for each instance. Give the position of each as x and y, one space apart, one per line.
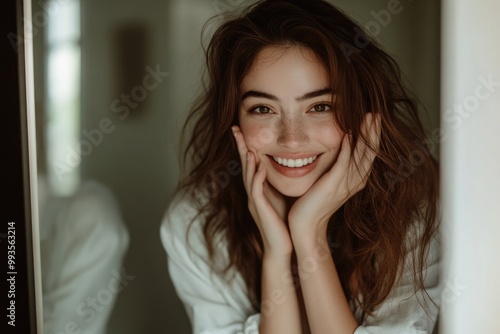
287 118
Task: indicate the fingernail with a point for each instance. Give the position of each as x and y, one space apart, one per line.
232 129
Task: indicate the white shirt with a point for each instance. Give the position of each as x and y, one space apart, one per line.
216 306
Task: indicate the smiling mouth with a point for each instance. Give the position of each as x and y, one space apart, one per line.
295 163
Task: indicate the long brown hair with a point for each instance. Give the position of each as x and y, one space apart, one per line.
369 233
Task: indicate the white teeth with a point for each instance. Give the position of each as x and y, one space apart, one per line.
292 163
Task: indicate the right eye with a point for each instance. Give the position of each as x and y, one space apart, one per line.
261 110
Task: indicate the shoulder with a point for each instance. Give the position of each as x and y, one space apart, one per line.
184 241
182 217
423 254
215 300
419 240
181 230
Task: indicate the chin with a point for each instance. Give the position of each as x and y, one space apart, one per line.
291 189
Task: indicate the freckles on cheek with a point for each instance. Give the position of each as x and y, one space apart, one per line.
257 137
330 131
249 135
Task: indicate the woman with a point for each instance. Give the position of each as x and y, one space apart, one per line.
294 216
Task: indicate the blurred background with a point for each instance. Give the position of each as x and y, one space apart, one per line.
114 83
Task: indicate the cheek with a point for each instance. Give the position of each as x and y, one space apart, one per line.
332 136
258 137
336 136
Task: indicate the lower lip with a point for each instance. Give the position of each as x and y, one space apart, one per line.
295 171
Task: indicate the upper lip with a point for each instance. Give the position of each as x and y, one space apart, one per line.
294 155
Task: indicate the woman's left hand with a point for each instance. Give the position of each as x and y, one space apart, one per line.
311 212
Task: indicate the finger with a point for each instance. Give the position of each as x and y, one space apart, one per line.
274 198
242 147
369 147
341 166
372 133
345 152
364 143
355 163
376 132
250 171
257 192
371 129
258 179
253 193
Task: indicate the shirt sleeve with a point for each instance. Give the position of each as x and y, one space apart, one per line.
407 311
213 305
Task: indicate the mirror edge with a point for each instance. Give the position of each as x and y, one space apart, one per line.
28 135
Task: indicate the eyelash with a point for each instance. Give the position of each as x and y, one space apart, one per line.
326 106
254 110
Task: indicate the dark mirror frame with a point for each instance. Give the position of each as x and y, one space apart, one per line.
18 301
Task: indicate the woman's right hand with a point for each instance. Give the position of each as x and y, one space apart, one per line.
265 203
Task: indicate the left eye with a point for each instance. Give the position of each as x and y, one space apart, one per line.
261 110
321 108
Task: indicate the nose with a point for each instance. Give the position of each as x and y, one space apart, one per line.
292 132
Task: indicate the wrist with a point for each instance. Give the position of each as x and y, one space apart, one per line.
277 257
313 244
308 233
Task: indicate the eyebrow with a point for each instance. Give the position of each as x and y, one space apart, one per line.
307 96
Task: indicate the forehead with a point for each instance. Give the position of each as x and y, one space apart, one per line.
290 68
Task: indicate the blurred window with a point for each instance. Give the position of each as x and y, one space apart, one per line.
63 90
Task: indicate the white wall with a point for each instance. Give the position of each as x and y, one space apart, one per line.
471 165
